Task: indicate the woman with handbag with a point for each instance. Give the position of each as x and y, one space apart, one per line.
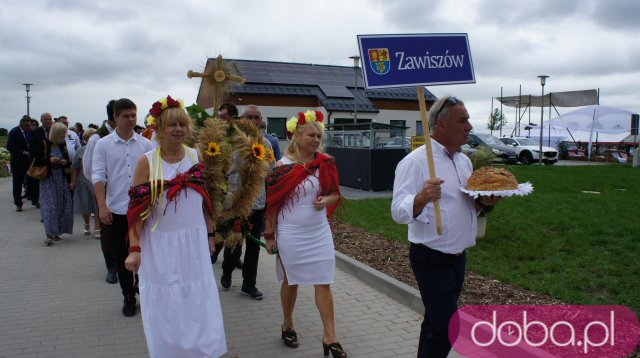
55 189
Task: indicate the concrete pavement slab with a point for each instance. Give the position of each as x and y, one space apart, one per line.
54 302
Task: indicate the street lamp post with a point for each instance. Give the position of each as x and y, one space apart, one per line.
28 88
356 62
543 79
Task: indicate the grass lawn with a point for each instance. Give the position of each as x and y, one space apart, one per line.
581 248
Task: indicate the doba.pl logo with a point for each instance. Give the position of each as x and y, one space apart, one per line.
534 331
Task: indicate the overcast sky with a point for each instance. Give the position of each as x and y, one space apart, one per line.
79 54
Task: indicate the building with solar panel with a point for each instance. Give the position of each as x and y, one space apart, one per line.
282 89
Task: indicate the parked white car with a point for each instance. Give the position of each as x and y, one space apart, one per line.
528 150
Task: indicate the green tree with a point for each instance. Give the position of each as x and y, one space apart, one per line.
497 120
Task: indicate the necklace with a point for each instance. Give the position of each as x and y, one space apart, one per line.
306 168
308 159
175 166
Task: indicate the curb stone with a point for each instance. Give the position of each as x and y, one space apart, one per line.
399 291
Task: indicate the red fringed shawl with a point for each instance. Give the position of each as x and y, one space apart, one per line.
284 180
140 195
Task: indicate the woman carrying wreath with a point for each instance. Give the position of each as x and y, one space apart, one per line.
169 220
302 191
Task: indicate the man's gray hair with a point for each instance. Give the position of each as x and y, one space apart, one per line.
438 107
250 107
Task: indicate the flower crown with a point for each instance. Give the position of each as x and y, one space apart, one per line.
304 118
160 105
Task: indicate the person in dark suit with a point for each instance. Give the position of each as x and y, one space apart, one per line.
38 136
18 146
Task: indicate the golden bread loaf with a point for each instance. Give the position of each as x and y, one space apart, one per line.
492 178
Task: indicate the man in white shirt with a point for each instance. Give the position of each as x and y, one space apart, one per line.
107 128
438 262
71 138
87 164
114 161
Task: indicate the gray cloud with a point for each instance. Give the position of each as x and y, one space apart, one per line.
518 14
621 14
82 53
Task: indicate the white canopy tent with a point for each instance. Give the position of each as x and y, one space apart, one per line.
563 134
596 119
557 99
551 100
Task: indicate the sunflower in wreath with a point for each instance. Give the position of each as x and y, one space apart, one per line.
236 164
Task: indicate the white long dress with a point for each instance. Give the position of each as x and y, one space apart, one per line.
305 243
179 299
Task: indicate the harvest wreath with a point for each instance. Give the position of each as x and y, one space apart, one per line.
221 144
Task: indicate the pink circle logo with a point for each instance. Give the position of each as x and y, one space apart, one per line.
544 331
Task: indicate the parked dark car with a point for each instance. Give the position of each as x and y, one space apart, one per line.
507 154
466 149
571 150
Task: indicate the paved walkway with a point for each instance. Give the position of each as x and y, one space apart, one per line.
54 302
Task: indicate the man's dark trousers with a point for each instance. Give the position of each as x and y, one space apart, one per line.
251 255
440 277
105 246
18 171
117 233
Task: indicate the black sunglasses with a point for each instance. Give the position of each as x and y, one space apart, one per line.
451 100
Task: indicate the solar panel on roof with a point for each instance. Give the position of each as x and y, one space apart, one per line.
336 91
329 78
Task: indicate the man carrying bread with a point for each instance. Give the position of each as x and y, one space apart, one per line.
438 261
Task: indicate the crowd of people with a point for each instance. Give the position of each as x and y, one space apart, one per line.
155 219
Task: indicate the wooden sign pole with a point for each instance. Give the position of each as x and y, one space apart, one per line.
427 145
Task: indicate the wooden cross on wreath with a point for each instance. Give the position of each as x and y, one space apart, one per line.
218 79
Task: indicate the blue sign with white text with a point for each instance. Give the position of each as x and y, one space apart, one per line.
415 60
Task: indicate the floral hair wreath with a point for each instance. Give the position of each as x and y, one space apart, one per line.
304 118
160 105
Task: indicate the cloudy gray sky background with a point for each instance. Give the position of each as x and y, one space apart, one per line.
79 54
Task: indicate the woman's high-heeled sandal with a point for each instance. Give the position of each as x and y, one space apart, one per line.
290 338
87 228
335 349
48 241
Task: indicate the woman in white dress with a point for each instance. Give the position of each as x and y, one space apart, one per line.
302 191
170 218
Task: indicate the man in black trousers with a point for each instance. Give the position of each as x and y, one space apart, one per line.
114 160
252 251
87 167
18 146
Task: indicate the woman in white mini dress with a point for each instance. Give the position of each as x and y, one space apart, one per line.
179 301
302 191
